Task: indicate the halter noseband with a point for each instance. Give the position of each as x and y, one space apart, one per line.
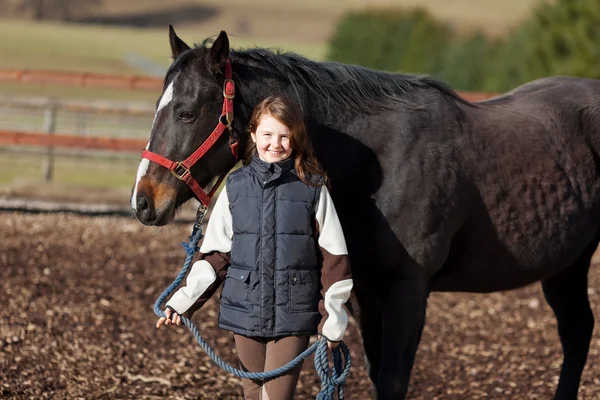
181 169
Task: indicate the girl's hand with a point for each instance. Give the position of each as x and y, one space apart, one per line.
331 345
172 318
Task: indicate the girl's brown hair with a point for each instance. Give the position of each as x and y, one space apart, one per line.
288 113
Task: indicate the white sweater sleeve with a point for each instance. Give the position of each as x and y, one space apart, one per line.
219 232
202 275
331 236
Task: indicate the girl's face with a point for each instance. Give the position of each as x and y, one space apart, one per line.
272 139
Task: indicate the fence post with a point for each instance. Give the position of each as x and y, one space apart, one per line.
49 127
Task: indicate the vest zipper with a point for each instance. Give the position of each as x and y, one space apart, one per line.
260 265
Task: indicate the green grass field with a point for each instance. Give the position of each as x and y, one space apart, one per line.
72 92
72 47
25 169
291 26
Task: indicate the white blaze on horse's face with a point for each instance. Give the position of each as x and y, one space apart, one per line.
144 164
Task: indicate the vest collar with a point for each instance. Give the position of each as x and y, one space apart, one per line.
268 172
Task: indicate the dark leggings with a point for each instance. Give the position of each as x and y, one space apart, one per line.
265 354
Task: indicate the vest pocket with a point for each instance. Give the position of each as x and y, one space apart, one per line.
236 289
304 291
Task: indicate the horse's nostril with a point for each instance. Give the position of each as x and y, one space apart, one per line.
145 209
142 202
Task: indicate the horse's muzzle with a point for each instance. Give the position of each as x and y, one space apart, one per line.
149 214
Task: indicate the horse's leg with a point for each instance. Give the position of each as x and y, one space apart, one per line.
404 306
368 315
567 295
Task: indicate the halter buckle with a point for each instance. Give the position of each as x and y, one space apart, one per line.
180 171
228 96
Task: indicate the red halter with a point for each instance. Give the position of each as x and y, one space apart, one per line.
181 169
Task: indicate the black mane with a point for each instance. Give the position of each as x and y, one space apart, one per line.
356 87
359 88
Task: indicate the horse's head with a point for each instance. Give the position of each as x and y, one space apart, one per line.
190 142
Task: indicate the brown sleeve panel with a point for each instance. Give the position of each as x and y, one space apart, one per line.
220 263
335 268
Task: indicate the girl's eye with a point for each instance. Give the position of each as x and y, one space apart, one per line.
187 116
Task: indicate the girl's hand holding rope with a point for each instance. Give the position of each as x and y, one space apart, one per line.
172 318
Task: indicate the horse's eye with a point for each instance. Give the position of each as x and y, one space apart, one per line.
187 116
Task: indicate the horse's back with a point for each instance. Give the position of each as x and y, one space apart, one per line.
554 88
560 112
546 112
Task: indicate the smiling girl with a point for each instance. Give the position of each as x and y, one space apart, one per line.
275 240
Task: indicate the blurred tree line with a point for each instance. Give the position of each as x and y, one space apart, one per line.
46 10
559 38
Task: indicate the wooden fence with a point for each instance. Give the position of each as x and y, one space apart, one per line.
50 139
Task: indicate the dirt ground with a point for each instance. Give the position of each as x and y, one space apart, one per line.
76 322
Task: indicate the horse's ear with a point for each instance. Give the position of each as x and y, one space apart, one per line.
219 53
178 46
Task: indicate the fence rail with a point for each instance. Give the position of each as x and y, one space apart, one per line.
134 82
81 79
37 139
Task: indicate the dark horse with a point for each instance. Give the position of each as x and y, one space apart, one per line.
434 193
